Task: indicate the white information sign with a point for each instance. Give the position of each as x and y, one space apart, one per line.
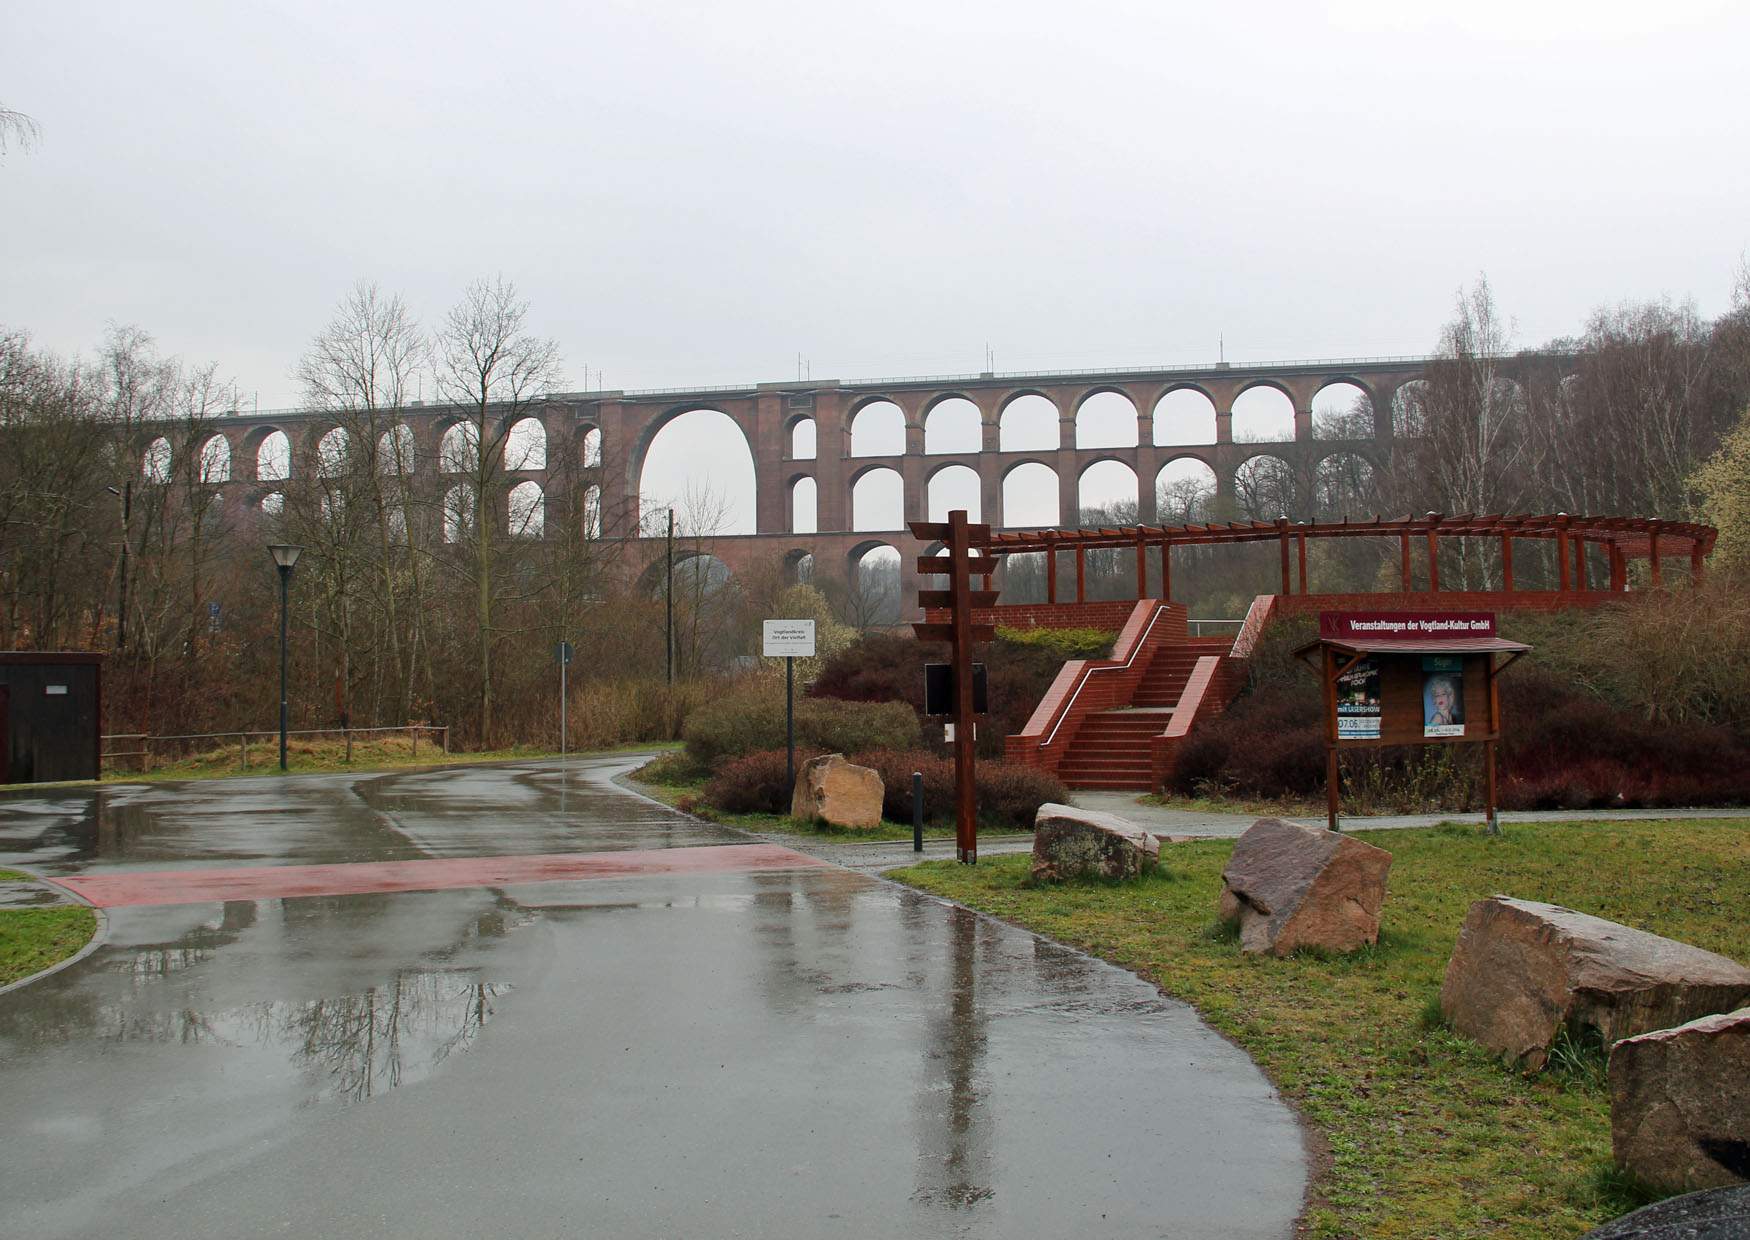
794 638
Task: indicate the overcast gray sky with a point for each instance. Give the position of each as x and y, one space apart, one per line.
696 193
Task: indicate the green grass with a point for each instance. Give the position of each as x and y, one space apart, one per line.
318 756
1426 1134
32 939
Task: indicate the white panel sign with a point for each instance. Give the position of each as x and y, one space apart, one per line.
55 690
789 637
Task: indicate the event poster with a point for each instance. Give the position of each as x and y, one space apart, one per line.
1358 702
1442 695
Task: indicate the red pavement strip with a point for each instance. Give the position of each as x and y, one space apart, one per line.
278 882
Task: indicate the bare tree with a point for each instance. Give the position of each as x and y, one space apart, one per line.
490 366
19 128
1475 451
360 369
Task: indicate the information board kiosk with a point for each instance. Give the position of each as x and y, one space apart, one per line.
1410 678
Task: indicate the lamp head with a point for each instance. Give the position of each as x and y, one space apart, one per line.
285 554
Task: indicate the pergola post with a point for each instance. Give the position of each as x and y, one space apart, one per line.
1300 550
1507 563
1081 573
1282 537
1697 563
1562 563
1167 570
1404 548
1050 569
1141 564
1582 580
1433 561
1618 569
1653 556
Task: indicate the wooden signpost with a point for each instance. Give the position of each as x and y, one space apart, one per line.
958 538
1410 678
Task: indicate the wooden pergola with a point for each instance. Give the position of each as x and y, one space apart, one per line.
1623 538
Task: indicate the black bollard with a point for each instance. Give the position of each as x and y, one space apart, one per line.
917 811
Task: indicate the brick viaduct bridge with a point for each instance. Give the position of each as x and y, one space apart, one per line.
611 432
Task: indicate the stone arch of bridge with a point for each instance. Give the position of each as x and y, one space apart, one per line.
644 437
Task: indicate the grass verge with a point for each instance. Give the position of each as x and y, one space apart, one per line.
308 756
673 780
1427 1135
32 939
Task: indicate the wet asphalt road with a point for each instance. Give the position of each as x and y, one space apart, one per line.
781 1053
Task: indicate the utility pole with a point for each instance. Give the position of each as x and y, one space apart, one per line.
668 595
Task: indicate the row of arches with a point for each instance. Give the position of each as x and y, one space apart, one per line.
1265 487
525 511
395 453
1030 422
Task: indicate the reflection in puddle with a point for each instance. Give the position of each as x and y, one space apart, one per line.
354 1046
349 1047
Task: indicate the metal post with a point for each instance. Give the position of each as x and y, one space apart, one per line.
562 662
789 721
285 593
1333 776
917 811
965 790
669 595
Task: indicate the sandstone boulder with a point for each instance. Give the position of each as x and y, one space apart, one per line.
1680 1103
1714 1214
1077 843
1523 970
1291 887
831 789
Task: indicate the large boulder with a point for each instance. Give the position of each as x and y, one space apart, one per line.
831 789
1522 971
1716 1214
1289 886
1680 1104
1084 843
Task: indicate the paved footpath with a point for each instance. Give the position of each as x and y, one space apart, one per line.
522 1001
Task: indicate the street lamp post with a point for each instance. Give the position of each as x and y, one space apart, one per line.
285 555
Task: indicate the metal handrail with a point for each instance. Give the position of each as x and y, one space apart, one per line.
1141 641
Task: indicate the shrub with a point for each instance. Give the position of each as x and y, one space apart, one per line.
754 783
1062 644
1008 796
753 720
852 727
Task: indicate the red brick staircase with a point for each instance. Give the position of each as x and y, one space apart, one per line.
1113 723
1114 748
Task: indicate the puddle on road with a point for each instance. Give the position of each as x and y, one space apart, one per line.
347 1047
351 1014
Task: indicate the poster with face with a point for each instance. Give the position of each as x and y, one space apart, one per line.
1442 695
1358 702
